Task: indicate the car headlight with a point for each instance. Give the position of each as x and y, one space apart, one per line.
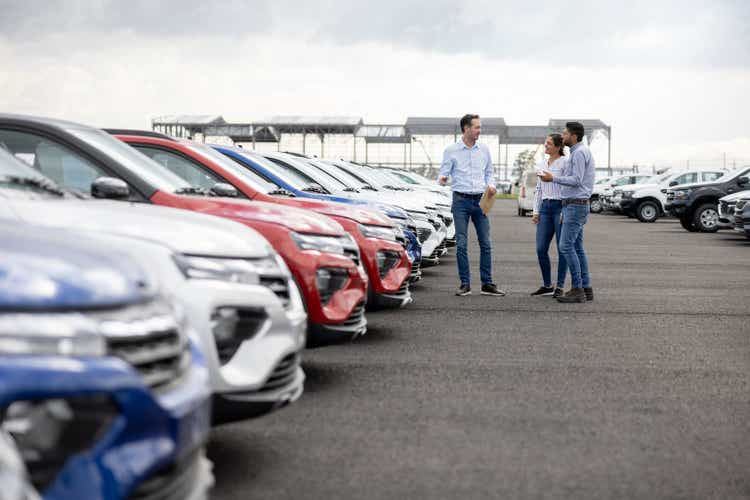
627 194
327 244
50 334
387 260
378 232
246 271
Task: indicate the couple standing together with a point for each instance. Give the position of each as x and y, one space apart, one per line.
561 208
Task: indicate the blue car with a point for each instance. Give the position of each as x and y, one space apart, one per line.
102 392
297 187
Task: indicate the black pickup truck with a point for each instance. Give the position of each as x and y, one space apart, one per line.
696 205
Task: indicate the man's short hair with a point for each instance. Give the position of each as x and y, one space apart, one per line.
466 120
577 129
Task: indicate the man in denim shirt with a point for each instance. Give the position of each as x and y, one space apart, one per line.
469 165
576 183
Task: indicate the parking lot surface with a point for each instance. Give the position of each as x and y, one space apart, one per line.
644 393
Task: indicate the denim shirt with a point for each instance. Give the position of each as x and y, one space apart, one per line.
470 169
577 179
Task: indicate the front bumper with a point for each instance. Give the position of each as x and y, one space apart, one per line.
354 326
152 432
277 333
676 207
628 204
388 291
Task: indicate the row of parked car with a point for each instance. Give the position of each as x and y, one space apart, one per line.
151 287
703 200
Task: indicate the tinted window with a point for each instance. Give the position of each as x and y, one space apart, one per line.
687 178
192 173
52 159
711 176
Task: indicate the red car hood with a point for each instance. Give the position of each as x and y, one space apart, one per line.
295 219
357 214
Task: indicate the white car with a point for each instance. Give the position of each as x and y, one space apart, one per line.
526 187
236 291
606 194
646 201
726 208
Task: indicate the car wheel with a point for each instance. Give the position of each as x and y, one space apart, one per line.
706 218
647 211
596 205
687 223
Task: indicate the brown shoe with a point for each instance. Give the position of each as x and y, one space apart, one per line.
589 294
574 295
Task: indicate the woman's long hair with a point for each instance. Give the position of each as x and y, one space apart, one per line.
557 140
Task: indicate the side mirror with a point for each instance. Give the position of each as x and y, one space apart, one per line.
224 189
110 188
673 183
743 180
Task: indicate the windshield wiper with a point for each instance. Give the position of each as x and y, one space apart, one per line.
41 184
282 192
193 191
368 187
351 190
314 189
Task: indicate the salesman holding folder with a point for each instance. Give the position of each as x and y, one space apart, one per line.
469 165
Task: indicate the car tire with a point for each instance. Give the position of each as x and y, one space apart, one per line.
706 218
647 211
596 206
687 223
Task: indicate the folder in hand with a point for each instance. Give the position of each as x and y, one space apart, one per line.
487 201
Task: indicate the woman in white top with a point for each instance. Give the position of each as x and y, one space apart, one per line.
547 213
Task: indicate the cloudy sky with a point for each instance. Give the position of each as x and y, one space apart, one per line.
671 77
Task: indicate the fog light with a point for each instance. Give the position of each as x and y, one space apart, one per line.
329 280
231 327
48 432
386 261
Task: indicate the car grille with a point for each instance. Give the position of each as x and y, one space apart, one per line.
423 234
283 374
451 242
415 269
175 482
279 286
154 346
670 195
404 288
358 313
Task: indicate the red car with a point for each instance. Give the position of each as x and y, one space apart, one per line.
384 258
320 254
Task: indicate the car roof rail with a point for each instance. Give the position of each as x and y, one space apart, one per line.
142 133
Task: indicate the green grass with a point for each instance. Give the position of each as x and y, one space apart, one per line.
506 196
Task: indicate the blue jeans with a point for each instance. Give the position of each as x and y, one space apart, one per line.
464 209
571 244
549 225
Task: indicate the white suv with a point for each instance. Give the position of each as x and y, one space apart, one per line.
646 201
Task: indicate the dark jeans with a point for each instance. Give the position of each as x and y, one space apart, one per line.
549 225
571 244
464 209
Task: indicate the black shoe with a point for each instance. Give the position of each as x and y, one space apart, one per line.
463 290
589 294
558 293
491 289
543 290
575 295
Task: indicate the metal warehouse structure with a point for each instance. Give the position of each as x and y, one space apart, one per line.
351 138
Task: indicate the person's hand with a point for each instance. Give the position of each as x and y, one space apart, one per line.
443 180
535 218
546 176
492 190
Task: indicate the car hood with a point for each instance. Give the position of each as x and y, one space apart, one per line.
294 219
736 196
360 215
47 269
696 185
183 231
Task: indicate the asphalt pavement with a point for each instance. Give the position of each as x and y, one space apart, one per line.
643 393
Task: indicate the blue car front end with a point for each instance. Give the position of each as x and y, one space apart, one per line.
102 392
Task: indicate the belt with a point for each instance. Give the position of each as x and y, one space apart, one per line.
575 201
469 195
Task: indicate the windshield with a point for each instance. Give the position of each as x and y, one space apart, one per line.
732 175
345 176
141 165
311 175
247 176
363 174
402 177
333 175
15 174
382 178
658 179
